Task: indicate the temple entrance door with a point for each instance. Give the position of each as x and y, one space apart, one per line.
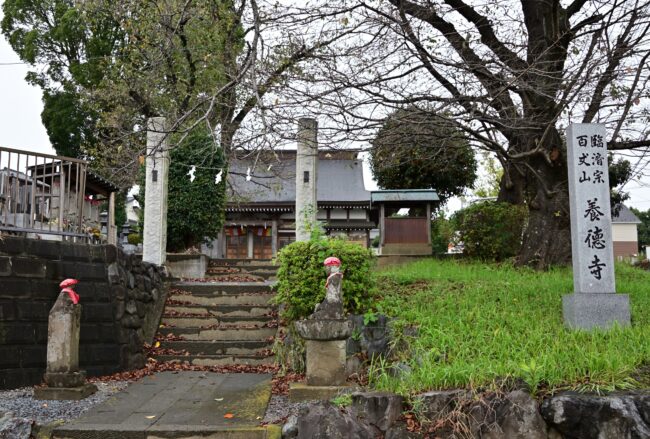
254 242
236 243
262 243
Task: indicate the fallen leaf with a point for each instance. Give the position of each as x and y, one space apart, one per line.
228 416
157 345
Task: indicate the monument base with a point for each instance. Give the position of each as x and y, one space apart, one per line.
326 363
595 310
64 393
301 392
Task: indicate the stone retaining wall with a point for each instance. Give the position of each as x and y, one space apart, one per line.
122 300
453 414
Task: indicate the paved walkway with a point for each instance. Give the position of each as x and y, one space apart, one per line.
180 405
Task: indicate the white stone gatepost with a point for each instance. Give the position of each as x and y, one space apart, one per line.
155 196
306 178
594 302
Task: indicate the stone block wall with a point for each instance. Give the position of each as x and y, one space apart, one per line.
122 300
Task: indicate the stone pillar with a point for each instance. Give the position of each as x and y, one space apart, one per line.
306 178
594 303
155 196
111 230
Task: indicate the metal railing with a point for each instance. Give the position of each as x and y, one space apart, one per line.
42 194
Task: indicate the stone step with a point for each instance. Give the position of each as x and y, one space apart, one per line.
239 262
107 431
223 347
222 310
185 404
217 360
253 268
259 274
235 277
202 322
218 299
223 288
228 334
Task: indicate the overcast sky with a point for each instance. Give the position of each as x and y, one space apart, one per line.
21 127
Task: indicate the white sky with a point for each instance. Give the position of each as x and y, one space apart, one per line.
21 127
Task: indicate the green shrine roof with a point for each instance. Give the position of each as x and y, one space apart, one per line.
408 195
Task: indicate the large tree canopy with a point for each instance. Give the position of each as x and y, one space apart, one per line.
510 75
110 65
75 51
415 149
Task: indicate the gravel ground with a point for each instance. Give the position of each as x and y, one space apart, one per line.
280 409
23 404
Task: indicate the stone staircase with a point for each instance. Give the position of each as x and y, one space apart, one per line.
226 319
258 269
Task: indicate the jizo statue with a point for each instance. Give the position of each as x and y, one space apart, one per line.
334 278
332 306
63 333
63 378
68 288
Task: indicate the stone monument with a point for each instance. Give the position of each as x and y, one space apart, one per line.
594 303
306 178
325 333
155 193
63 378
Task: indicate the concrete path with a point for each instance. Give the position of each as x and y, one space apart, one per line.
180 405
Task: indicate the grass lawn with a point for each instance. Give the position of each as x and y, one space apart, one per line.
480 323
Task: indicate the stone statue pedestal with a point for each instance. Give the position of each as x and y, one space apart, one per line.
326 361
325 347
325 333
63 379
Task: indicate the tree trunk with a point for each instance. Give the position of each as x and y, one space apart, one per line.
512 185
547 236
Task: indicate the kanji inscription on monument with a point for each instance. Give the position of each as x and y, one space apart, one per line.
591 220
594 302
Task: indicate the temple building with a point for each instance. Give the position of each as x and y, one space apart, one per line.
260 215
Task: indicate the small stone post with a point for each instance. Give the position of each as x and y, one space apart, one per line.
155 196
594 303
63 378
306 178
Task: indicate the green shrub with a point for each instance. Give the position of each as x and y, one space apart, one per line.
134 238
442 233
491 230
301 276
